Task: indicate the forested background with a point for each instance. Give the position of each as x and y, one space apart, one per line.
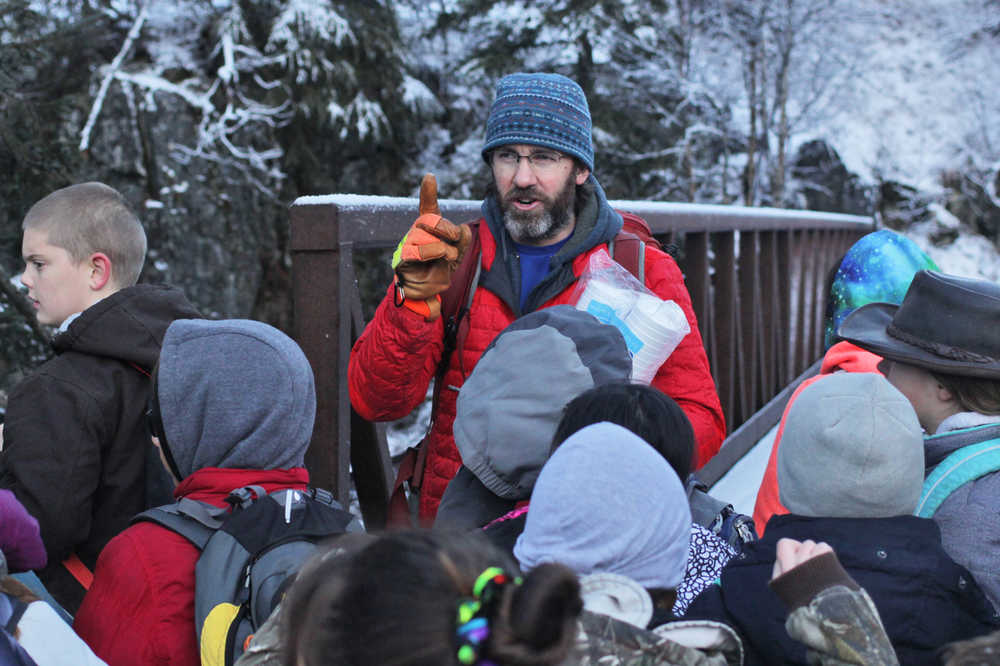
212 116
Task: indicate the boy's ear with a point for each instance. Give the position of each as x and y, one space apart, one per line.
100 270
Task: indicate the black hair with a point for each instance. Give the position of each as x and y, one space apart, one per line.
644 410
393 599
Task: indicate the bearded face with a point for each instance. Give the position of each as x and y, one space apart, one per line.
536 190
542 222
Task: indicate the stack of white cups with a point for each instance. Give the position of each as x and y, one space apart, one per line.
652 327
661 325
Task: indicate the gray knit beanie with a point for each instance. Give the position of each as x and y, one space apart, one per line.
546 110
852 448
509 407
607 502
234 394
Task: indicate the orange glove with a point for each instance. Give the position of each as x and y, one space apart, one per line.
428 255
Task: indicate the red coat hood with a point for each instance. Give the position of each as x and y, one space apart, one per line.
849 358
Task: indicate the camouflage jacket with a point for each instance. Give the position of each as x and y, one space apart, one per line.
841 626
605 641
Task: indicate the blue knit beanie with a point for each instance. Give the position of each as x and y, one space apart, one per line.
541 110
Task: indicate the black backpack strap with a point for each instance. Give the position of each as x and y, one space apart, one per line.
457 299
245 496
324 497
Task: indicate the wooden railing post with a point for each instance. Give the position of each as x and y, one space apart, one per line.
726 315
319 328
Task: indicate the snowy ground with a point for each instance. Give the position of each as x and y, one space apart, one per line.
739 485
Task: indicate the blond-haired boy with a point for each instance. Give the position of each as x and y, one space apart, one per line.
75 442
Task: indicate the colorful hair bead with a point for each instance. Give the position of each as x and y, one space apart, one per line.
474 613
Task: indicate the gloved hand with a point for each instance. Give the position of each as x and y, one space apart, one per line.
428 255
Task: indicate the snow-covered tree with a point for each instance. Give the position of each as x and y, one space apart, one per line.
658 131
356 108
797 56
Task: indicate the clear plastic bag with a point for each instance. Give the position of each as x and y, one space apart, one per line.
652 327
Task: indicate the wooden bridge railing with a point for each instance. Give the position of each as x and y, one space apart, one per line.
756 278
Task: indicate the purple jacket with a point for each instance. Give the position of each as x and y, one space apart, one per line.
20 539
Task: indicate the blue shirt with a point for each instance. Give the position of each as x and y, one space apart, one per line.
534 262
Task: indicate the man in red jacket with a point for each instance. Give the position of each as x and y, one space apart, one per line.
543 218
237 403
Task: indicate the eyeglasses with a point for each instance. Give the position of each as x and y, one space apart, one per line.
541 161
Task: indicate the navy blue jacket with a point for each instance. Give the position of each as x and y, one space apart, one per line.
924 598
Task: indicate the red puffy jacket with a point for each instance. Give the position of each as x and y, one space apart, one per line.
841 357
394 360
140 608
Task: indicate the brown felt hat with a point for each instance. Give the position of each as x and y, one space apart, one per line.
945 324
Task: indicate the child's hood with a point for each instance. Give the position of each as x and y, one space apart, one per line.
234 394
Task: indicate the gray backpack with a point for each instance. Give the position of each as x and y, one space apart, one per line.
249 556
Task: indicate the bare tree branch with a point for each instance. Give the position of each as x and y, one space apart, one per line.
109 75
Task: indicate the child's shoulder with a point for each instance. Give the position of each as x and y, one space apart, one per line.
128 324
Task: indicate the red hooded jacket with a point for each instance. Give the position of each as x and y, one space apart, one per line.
140 608
394 360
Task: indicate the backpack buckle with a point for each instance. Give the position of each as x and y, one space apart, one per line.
245 496
324 496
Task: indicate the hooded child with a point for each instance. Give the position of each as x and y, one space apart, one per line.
509 407
236 401
608 506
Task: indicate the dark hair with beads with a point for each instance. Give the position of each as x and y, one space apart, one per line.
396 599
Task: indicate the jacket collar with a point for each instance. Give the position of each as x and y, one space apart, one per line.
858 531
940 445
